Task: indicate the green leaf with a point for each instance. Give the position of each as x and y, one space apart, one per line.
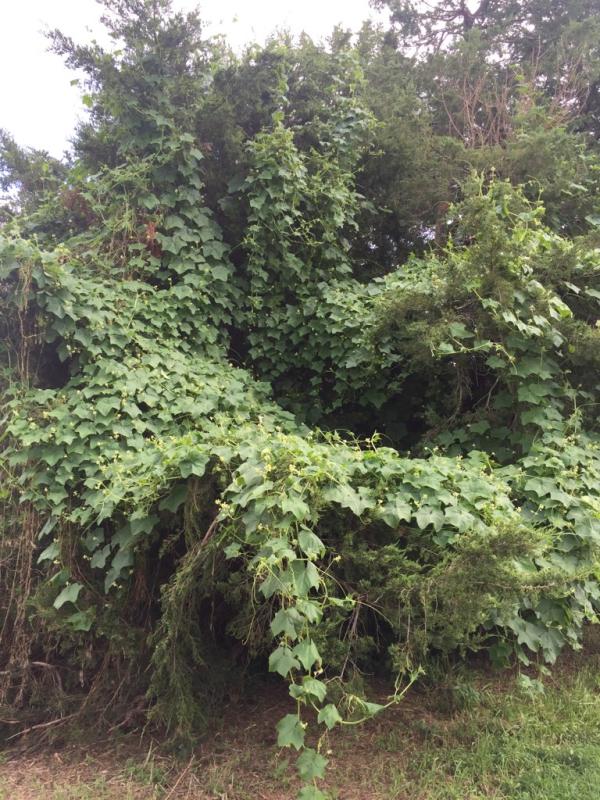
310 544
149 201
282 660
459 518
278 548
290 732
295 505
80 621
50 553
357 500
329 716
221 273
311 765
427 515
236 183
286 621
309 609
539 486
311 793
372 708
142 524
233 550
93 539
99 558
459 331
173 500
306 651
68 595
495 362
315 688
588 528
106 405
48 527
396 511
305 576
276 581
122 559
533 393
194 465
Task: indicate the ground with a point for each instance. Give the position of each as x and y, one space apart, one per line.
480 734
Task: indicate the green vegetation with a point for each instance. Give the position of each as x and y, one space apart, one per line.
300 369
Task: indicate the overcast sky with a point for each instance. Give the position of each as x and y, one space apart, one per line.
39 107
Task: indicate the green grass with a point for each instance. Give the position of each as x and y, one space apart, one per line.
508 745
98 790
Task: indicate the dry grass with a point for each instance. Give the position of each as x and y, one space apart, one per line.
479 736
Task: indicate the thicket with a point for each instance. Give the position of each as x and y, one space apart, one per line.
300 362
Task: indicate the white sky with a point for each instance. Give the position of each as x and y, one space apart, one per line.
39 107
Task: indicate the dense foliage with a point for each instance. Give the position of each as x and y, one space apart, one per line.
300 363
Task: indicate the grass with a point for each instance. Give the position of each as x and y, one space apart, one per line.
510 746
479 736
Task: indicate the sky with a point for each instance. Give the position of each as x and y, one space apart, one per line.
38 105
